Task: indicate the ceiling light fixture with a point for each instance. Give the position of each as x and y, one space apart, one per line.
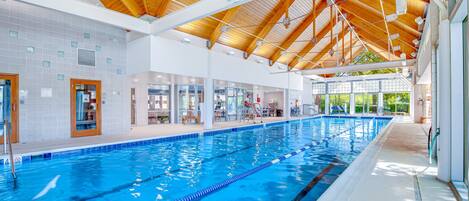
186 40
259 61
396 48
231 52
225 28
416 42
413 54
394 36
419 20
391 17
401 7
259 43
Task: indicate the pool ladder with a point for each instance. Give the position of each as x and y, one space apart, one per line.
7 144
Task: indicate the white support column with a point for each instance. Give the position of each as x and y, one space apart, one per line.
208 103
172 103
457 102
352 103
444 102
327 105
286 102
208 96
380 104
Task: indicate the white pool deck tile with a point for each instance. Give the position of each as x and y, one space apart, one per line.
392 168
142 132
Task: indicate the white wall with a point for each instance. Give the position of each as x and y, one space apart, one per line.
50 32
170 55
307 91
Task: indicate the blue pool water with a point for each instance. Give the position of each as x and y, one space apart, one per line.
238 163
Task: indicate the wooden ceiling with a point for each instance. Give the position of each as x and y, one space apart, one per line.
257 28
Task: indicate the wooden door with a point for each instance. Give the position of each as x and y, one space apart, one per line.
85 105
9 81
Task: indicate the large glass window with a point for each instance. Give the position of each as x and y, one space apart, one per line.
396 103
189 99
366 103
320 103
158 104
339 103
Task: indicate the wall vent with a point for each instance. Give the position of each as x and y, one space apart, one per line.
86 57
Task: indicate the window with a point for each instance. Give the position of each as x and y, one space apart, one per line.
366 86
319 88
340 87
396 103
366 103
320 103
339 103
395 85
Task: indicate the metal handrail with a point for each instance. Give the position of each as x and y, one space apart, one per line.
7 139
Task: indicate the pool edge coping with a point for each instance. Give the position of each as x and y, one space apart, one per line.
342 187
184 135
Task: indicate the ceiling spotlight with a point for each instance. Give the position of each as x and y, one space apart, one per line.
391 17
186 40
396 48
403 56
416 42
331 52
413 54
419 20
259 61
259 43
401 7
394 36
225 28
314 40
286 22
231 52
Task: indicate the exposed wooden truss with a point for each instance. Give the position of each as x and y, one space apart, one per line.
260 21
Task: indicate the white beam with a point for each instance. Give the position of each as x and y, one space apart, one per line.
193 12
96 13
359 67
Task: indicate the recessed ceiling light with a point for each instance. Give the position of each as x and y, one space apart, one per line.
231 52
225 28
159 76
419 20
416 42
260 61
413 54
396 48
186 40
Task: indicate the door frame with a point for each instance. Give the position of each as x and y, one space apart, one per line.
14 78
83 133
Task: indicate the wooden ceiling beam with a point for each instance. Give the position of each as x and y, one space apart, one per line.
133 7
323 33
324 51
375 17
162 8
298 31
267 25
216 33
390 7
377 42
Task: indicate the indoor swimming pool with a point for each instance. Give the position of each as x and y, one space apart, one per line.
296 160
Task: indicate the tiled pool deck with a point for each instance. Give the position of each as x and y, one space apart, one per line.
394 167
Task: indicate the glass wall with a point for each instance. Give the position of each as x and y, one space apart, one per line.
366 103
320 103
396 103
158 104
190 100
339 103
229 103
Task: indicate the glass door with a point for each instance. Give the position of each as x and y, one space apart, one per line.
366 103
8 106
85 107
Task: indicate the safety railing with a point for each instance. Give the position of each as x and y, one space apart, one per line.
7 145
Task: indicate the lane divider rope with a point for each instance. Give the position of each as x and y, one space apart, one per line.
216 187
